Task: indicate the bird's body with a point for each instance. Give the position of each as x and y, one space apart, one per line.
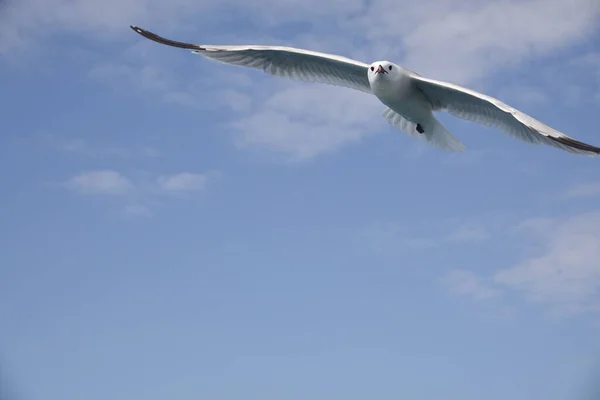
411 99
398 92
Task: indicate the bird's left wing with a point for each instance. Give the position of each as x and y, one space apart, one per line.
282 61
474 106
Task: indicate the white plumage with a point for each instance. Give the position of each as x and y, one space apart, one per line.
411 99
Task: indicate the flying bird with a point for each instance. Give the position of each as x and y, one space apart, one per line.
410 98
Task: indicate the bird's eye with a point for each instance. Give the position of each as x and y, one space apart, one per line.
390 67
372 68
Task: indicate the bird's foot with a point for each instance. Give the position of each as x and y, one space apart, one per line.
420 128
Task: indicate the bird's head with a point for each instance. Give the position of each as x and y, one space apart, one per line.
383 70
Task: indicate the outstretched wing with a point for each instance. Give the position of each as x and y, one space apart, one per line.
282 61
474 106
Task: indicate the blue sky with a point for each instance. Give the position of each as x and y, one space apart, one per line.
177 228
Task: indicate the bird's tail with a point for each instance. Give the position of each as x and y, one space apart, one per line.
440 137
433 131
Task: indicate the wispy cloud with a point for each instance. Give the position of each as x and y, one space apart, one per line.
559 269
524 95
590 189
26 24
397 237
138 196
86 148
101 182
565 270
80 146
293 122
182 182
466 41
466 283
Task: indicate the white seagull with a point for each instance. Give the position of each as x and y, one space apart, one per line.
410 98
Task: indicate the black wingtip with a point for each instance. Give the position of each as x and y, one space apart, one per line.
159 39
576 144
137 29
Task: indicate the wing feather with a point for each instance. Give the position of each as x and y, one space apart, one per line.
477 107
282 61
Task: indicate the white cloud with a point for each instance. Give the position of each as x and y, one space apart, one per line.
559 267
26 24
297 122
103 182
138 196
565 270
463 41
183 182
208 100
468 284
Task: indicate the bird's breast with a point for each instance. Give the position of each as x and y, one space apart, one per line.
402 97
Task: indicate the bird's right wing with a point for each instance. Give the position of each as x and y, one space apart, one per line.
282 61
471 105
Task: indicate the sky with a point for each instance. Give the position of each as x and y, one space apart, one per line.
177 228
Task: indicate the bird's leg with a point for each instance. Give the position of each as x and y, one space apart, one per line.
420 128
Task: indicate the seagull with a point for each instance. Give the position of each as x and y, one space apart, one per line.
410 98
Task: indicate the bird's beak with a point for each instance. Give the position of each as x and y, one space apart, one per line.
380 70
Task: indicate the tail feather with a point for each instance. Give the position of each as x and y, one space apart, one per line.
434 132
